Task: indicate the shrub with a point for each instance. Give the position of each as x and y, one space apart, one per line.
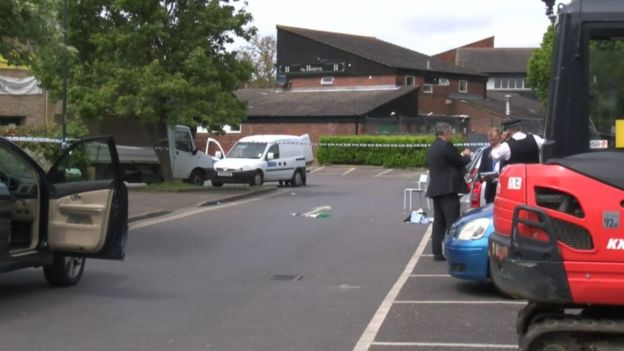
386 151
45 153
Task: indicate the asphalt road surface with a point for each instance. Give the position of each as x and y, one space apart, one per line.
260 275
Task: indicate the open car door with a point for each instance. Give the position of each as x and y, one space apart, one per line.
88 203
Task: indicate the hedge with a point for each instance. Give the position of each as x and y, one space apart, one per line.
42 152
385 150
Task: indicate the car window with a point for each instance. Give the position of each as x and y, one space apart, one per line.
275 150
89 161
183 142
16 175
247 150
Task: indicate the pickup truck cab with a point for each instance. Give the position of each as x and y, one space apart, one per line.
78 209
266 158
141 164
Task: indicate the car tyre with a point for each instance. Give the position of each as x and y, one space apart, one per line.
257 179
197 177
64 270
297 179
216 183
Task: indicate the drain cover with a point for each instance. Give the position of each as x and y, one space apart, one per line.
286 277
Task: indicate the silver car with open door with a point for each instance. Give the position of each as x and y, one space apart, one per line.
77 210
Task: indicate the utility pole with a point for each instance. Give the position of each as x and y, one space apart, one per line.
65 73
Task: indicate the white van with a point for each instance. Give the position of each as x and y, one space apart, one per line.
266 158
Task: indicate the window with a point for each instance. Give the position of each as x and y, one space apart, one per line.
247 150
183 142
463 86
327 81
443 82
510 84
606 73
428 88
88 161
410 80
11 121
230 129
275 150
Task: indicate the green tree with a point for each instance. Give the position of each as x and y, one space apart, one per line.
163 62
27 29
261 53
538 72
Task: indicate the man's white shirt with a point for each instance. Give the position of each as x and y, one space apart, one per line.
502 151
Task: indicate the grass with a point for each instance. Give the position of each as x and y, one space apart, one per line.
178 186
172 186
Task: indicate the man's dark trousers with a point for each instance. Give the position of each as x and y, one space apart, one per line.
445 212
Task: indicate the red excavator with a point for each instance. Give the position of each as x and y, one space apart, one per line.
559 231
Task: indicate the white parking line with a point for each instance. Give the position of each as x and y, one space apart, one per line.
446 345
384 172
317 169
349 171
193 211
367 338
459 302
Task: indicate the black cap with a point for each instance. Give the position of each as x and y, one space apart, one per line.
514 122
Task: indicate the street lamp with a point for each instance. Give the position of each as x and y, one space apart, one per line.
549 10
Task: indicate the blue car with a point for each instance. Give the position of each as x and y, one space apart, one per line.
466 246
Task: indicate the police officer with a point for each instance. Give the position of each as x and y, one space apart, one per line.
519 147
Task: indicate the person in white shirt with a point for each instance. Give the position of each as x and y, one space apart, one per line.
518 147
489 165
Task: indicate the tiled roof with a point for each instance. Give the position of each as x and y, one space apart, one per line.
317 103
380 51
494 60
521 106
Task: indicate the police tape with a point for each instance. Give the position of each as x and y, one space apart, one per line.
377 145
25 139
370 145
321 144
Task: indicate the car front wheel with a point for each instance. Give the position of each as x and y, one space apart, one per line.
197 177
64 270
257 180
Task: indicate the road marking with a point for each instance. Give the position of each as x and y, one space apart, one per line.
317 169
349 171
367 338
430 275
384 172
446 345
194 211
459 302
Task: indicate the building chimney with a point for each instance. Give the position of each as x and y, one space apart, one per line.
507 105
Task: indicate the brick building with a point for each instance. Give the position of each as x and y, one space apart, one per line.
508 95
22 101
396 89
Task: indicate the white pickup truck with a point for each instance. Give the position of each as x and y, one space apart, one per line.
140 163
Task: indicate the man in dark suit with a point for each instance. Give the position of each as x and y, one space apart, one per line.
446 167
490 165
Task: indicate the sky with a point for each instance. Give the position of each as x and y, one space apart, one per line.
426 26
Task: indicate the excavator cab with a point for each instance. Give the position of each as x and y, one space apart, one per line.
559 231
